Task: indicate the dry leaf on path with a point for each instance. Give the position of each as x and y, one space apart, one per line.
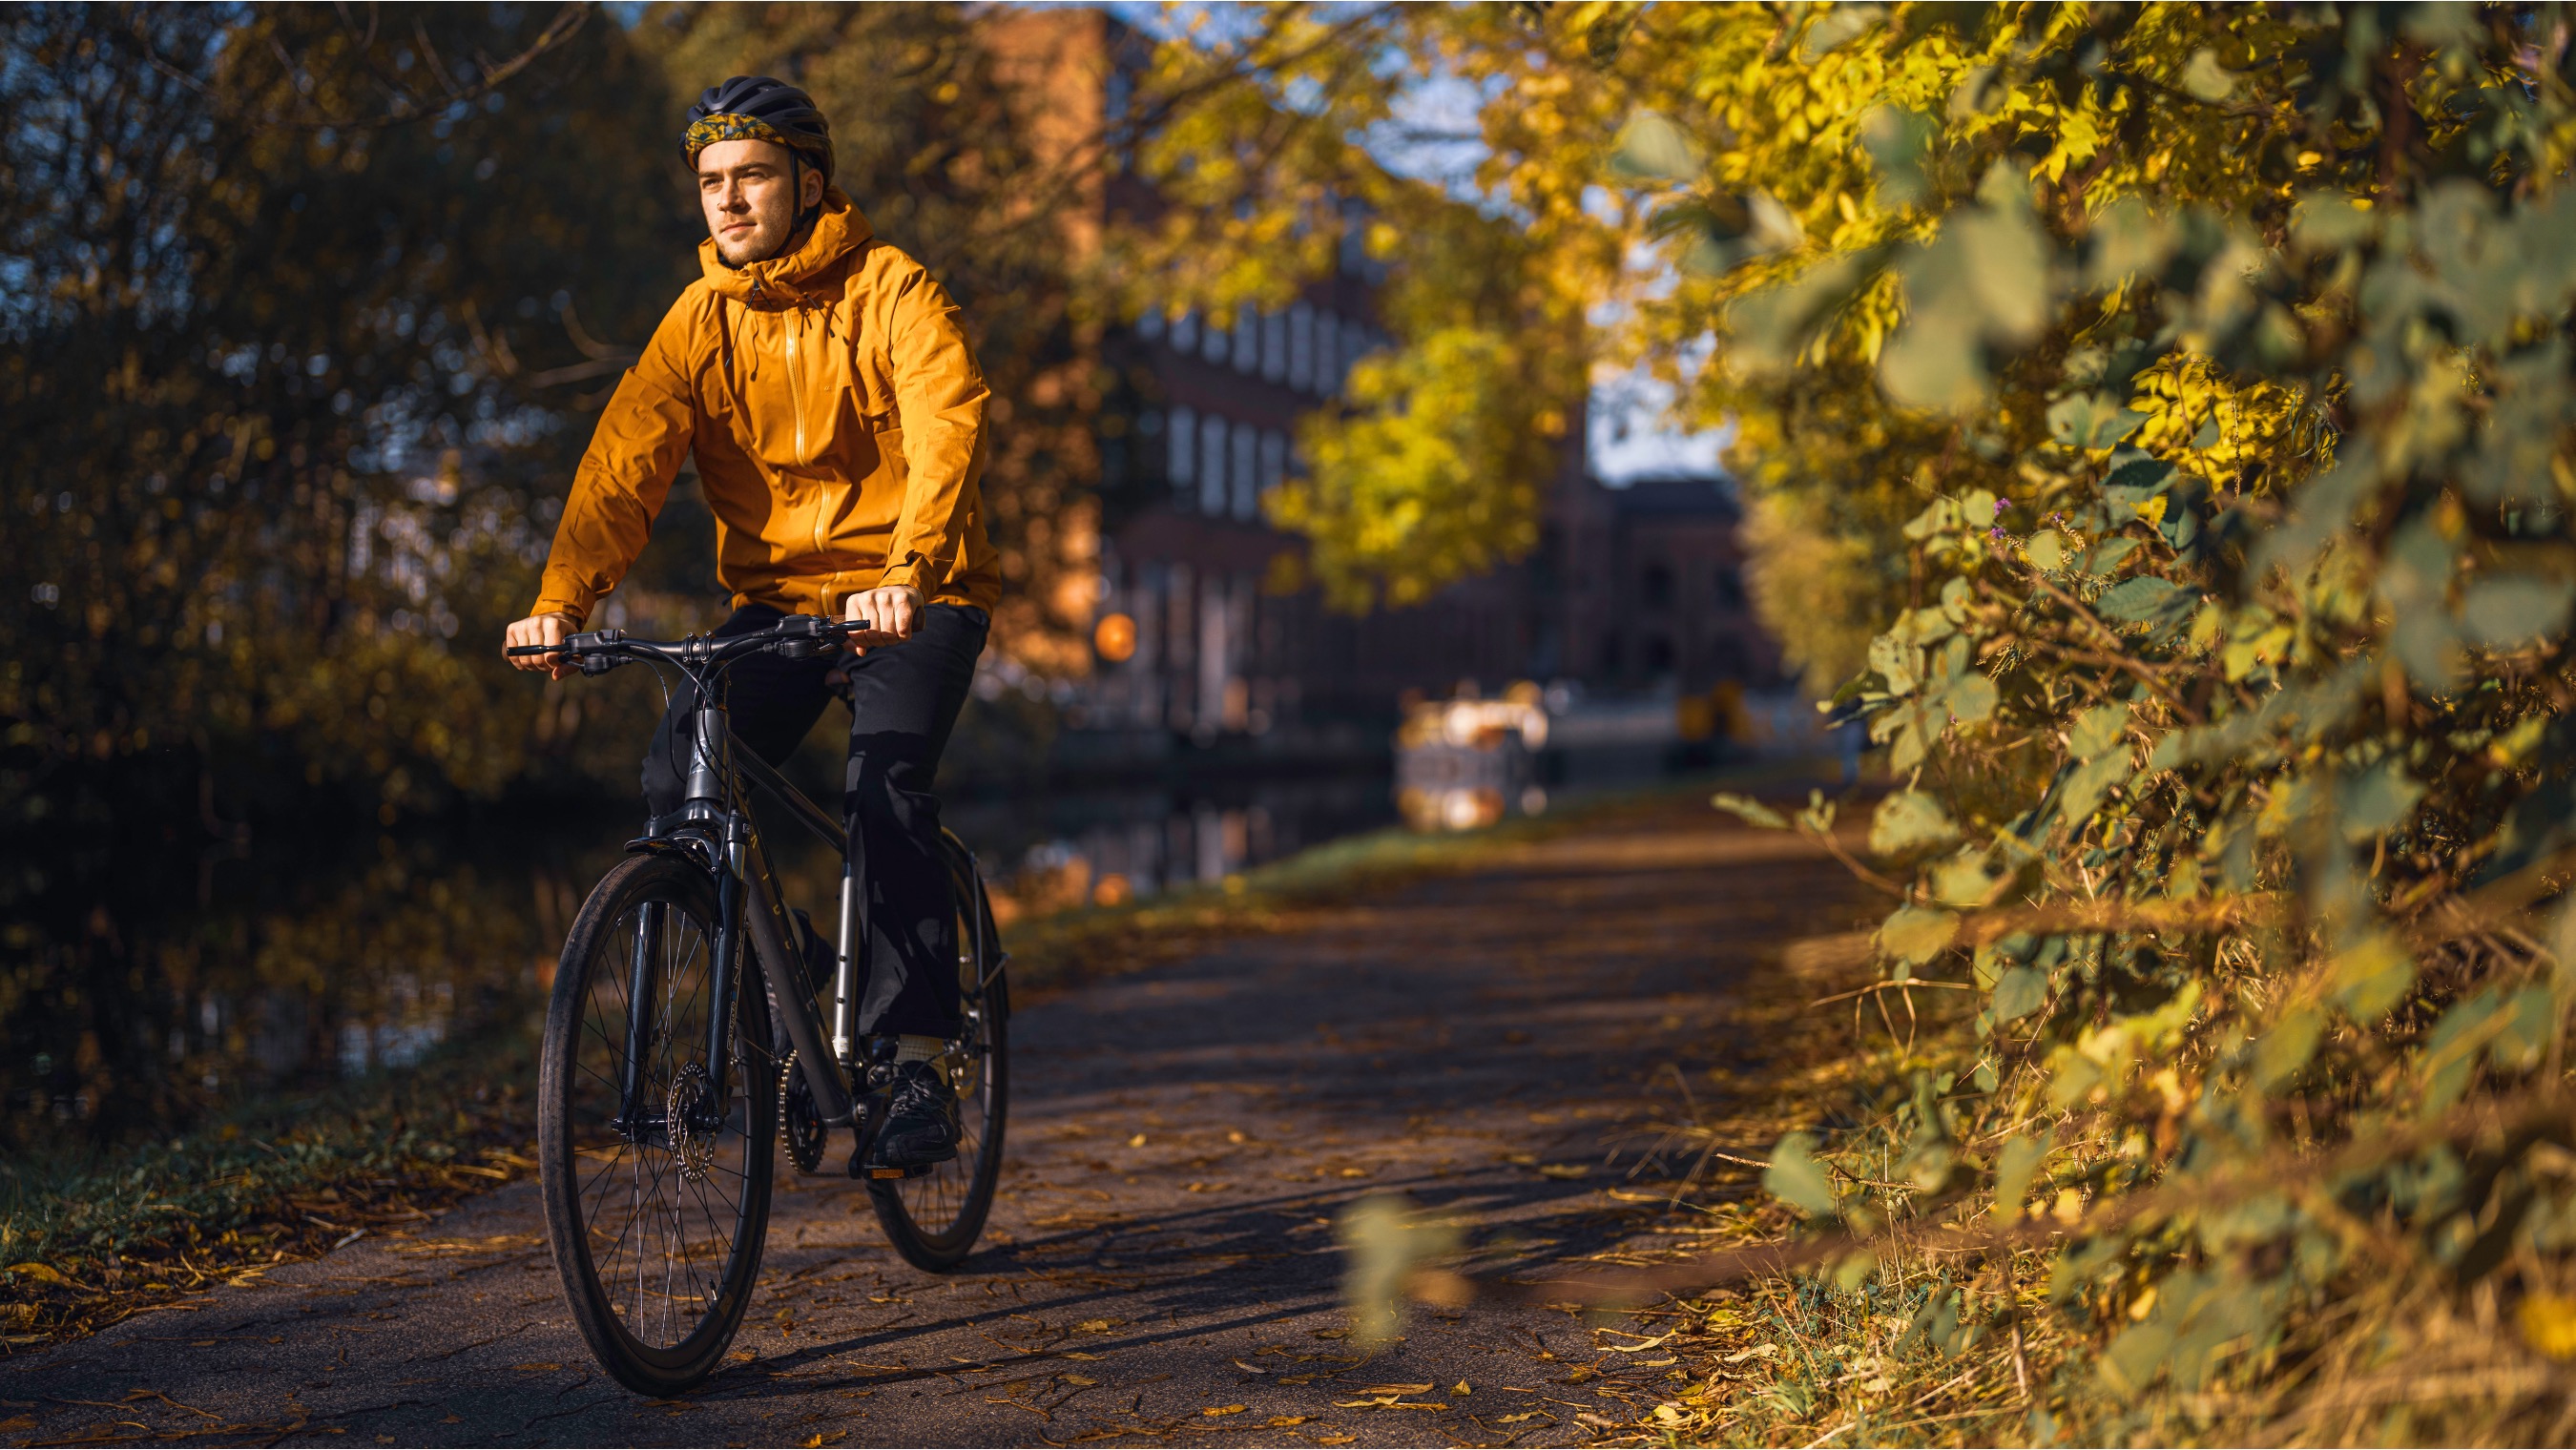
1223 1410
1282 1422
537 1367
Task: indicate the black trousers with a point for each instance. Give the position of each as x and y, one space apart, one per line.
903 702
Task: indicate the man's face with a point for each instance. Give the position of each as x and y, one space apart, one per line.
743 187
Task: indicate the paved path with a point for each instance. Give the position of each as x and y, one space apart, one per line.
1161 1262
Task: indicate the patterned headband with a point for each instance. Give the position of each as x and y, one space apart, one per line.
705 133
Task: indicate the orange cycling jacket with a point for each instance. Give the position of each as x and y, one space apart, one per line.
837 416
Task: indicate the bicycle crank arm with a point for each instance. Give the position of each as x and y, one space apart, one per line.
794 996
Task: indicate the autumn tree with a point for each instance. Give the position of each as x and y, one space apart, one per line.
2156 419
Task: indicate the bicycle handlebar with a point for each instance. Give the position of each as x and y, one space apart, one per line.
797 637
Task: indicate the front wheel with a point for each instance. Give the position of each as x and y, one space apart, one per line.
934 1220
656 1118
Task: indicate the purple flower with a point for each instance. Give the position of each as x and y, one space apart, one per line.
1997 531
2000 505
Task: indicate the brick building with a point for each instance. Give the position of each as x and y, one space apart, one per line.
1632 588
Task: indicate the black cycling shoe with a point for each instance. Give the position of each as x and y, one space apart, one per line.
921 1120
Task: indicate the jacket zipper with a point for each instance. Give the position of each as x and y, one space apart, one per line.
796 405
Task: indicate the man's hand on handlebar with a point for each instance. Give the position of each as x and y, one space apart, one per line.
542 629
894 609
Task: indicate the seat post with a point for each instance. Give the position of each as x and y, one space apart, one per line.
853 930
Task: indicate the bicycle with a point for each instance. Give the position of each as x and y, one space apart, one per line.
665 1087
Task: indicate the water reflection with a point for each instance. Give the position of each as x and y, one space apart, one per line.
143 984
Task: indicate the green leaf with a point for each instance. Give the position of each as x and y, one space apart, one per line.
2516 609
1838 24
1795 1177
1972 699
2145 599
1652 148
2206 78
2015 1167
2531 1023
2379 799
2091 420
2084 788
1910 821
2097 730
2046 551
2326 221
1967 879
1754 812
1915 935
2373 977
2287 1047
2020 992
2104 557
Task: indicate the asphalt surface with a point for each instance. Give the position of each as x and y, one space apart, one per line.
1161 1264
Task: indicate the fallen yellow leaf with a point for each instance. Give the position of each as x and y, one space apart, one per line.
1335 1439
1525 1415
1223 1410
1136 1142
537 1367
1098 1326
18 1422
1078 1379
2548 1324
1282 1422
1562 1170
43 1273
1462 1388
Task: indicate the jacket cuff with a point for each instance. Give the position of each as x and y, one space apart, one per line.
911 574
555 601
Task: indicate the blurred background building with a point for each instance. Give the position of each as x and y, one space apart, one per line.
1267 718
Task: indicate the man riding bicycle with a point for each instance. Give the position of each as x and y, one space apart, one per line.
821 380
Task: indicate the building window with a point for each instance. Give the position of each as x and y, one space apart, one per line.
1244 472
1328 349
1354 342
1182 455
1274 459
1212 465
1301 346
1274 347
1655 587
1730 587
1247 338
1149 326
1185 332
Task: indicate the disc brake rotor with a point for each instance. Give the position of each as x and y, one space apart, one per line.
693 1147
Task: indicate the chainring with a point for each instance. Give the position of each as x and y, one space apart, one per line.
800 1123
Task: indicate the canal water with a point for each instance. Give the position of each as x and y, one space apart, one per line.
144 987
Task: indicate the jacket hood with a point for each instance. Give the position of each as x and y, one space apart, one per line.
838 231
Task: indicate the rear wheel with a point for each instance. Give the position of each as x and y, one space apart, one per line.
934 1220
656 1179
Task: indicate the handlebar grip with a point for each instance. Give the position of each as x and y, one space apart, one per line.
538 649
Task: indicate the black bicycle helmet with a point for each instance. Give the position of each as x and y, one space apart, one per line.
763 109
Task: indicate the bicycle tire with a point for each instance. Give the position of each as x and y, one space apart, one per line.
654 1338
934 1220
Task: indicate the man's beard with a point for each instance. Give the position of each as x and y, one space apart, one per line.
760 246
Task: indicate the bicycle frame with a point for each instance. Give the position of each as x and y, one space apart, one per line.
716 829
